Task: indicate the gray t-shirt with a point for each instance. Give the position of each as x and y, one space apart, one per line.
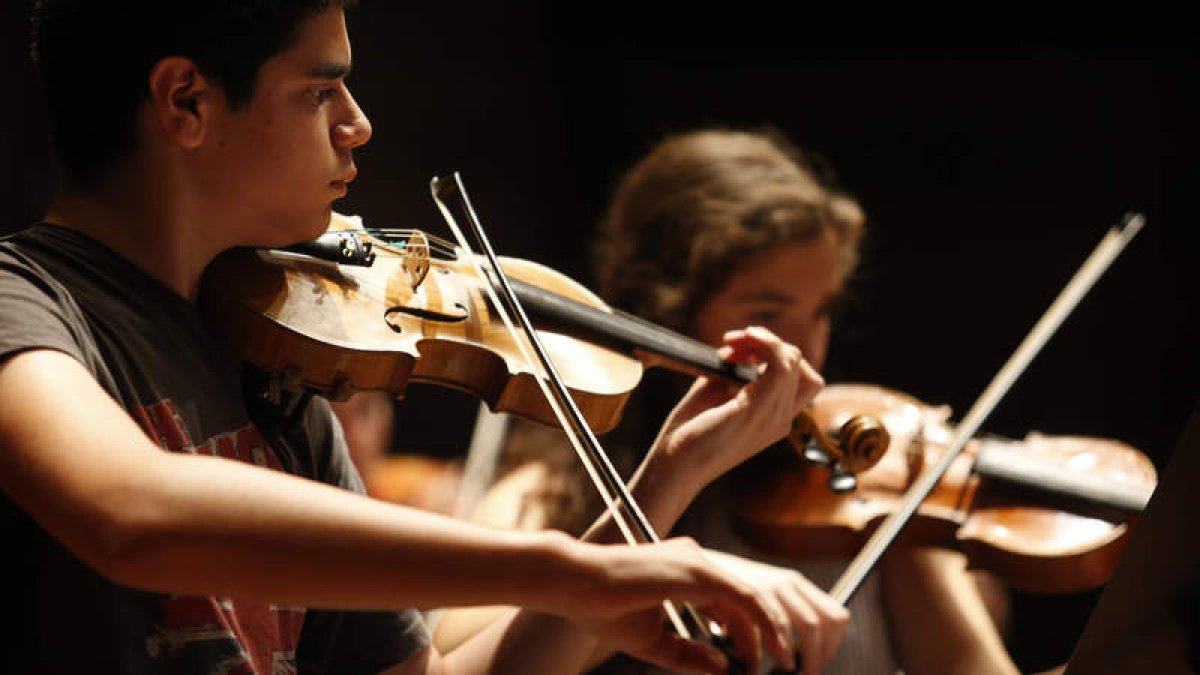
151 350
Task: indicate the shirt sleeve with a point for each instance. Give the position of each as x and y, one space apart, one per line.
35 311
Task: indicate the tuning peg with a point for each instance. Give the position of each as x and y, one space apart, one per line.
841 481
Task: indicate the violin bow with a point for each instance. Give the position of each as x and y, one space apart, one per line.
1085 277
629 517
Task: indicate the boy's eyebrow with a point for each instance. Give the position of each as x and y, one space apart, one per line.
330 71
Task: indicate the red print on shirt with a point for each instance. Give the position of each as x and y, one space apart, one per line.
162 422
231 636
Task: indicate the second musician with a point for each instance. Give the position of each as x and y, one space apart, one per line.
714 230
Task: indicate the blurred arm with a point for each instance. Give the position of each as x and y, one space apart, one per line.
939 621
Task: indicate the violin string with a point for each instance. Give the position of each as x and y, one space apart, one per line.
606 482
412 246
1101 257
366 286
386 234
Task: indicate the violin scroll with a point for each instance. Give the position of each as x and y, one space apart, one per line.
861 442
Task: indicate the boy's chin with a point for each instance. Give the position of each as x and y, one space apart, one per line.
286 231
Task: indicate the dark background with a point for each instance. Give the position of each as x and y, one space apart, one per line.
990 158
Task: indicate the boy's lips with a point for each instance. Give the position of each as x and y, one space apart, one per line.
341 185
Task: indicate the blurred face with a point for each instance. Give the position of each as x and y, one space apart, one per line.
276 166
790 289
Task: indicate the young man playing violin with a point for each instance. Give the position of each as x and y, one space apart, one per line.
163 516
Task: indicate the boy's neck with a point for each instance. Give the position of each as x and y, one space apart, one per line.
137 221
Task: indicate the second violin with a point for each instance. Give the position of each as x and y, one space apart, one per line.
1047 513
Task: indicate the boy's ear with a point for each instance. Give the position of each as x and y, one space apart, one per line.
181 100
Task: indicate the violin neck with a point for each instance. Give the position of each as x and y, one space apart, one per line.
628 334
1002 461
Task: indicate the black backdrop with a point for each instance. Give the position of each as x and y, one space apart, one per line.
990 159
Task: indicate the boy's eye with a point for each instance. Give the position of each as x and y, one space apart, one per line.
323 94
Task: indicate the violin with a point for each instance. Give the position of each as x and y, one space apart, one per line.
1045 513
366 309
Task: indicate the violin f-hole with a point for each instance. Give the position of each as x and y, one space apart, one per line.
392 315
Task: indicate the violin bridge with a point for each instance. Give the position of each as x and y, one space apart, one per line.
416 260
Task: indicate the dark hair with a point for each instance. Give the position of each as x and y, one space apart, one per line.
93 58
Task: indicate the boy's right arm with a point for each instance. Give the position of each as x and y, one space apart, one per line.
193 524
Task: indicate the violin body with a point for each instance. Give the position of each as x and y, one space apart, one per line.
337 329
1035 535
